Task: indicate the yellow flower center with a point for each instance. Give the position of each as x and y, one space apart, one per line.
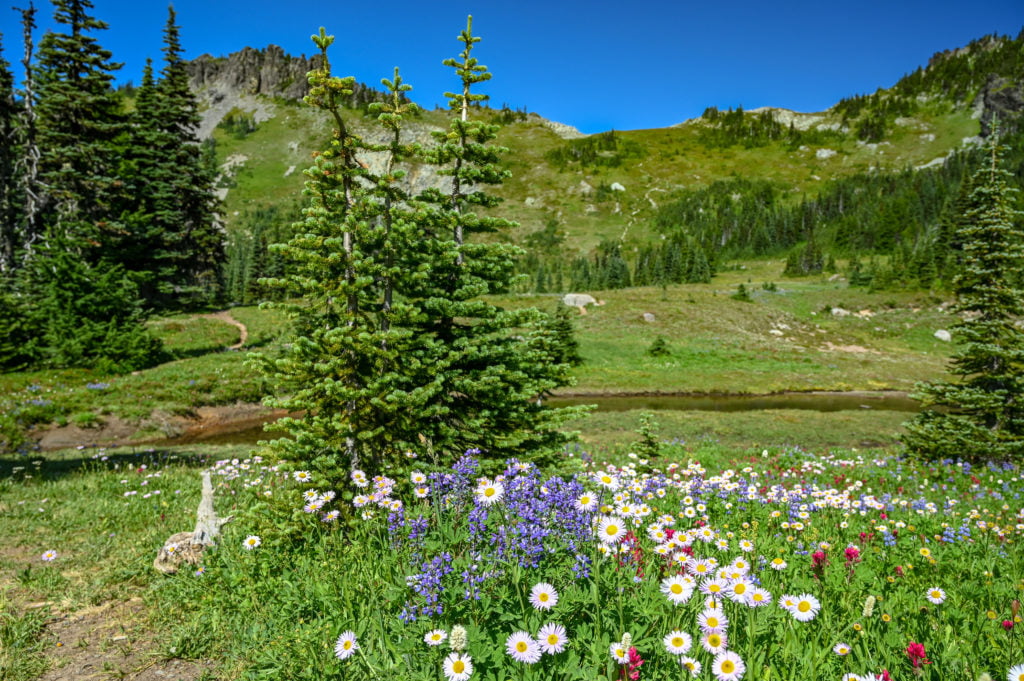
552 639
676 589
714 588
714 640
348 645
612 530
489 492
739 588
728 667
521 646
804 606
458 666
543 597
677 641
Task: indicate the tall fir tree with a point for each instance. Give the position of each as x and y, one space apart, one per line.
395 349
84 306
983 411
80 125
173 245
10 203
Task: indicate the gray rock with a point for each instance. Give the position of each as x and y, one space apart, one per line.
649 317
943 335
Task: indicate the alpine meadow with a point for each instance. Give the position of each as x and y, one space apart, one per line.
304 379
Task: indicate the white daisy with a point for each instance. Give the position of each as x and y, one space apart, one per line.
543 596
676 589
435 637
551 638
346 646
936 595
691 665
806 608
677 642
841 649
728 666
713 621
522 648
251 542
488 492
585 502
610 529
714 642
458 667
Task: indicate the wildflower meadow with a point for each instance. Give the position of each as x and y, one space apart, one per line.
780 565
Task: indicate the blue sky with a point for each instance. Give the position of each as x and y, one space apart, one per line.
595 65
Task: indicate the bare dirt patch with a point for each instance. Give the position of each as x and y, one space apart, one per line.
111 641
207 423
831 347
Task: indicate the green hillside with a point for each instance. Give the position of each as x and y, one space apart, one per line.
566 184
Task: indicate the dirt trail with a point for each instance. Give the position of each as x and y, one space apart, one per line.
225 316
112 640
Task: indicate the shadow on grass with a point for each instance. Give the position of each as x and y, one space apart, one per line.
49 466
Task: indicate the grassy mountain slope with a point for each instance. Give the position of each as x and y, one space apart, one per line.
940 107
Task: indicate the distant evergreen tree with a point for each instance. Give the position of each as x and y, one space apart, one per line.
173 245
984 411
79 128
90 315
560 330
395 349
83 305
30 227
10 201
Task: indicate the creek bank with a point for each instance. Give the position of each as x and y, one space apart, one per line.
243 423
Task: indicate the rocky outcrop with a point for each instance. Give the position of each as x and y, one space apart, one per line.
1003 98
254 72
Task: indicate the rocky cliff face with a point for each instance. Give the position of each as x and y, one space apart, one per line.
1001 98
253 72
236 81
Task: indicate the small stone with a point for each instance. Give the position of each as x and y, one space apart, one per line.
649 317
943 335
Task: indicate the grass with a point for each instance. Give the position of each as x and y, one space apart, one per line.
75 502
537 192
785 340
275 611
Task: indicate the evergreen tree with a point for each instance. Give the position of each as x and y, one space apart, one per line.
79 124
984 409
89 315
29 190
194 237
395 348
10 202
173 245
87 312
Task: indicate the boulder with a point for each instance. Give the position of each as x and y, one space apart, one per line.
943 335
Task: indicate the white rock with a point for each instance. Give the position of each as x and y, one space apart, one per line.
840 312
291 169
943 335
649 317
775 332
530 201
824 153
616 187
